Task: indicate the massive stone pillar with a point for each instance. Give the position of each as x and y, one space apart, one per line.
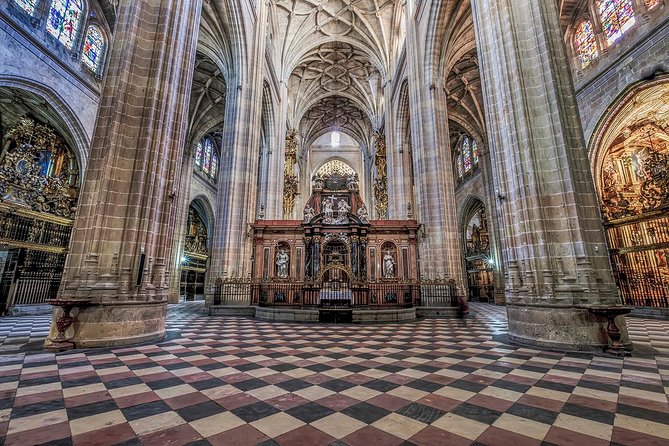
238 187
554 247
440 253
120 249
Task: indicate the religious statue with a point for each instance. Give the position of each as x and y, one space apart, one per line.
363 214
319 182
352 182
342 210
309 214
282 261
328 212
388 265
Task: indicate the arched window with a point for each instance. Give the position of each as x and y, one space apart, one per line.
335 139
27 5
206 158
94 48
198 154
64 20
617 16
466 157
458 163
475 153
586 46
208 149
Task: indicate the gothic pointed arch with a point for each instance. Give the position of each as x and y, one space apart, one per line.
47 105
630 161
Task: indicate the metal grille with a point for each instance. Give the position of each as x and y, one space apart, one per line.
640 258
370 295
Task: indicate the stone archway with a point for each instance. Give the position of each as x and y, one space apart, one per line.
630 162
196 251
475 234
40 177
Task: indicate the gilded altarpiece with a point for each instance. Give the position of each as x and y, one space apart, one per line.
634 193
196 256
39 188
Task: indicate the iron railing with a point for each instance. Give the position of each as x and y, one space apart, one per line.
294 293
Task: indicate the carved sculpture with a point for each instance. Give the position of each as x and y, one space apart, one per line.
363 214
308 214
388 265
39 171
381 183
282 261
327 209
635 173
342 210
290 180
196 235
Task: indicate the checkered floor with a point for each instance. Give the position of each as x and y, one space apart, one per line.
236 381
21 333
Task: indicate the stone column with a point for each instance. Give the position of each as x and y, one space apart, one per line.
439 248
553 242
121 244
232 247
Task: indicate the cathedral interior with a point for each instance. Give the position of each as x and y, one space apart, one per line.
334 222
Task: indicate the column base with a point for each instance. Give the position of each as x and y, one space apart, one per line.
113 324
561 328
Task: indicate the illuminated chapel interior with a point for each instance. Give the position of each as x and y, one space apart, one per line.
335 161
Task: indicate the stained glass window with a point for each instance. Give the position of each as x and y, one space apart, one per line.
466 154
198 154
617 16
475 152
458 163
586 46
206 158
214 165
208 148
94 47
64 20
27 5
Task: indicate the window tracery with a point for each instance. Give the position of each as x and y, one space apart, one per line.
28 6
335 167
94 48
206 158
466 157
64 20
586 45
617 16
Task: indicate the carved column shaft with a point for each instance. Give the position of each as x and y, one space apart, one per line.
232 246
120 249
290 180
551 231
381 181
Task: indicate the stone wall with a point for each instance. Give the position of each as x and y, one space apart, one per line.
202 188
